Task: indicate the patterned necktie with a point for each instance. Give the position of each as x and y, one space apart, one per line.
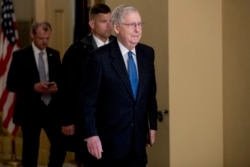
41 67
132 72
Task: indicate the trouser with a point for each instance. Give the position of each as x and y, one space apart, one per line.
131 160
31 141
126 162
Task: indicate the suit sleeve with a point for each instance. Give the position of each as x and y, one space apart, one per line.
67 94
73 73
16 79
13 74
89 96
151 101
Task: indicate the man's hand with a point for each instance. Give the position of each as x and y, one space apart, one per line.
43 88
151 138
68 130
52 87
94 146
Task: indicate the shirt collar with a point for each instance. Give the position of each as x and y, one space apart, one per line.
99 42
124 50
36 49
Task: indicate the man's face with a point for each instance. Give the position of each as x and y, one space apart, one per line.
101 26
41 38
129 31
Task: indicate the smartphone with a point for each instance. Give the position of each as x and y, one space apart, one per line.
50 83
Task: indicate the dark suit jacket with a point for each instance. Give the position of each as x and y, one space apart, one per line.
110 110
22 76
73 69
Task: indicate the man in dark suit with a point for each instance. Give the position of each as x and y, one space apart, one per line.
73 68
119 97
33 76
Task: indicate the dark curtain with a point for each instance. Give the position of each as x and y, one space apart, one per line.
81 28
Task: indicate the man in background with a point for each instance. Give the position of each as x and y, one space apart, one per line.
33 75
119 96
73 69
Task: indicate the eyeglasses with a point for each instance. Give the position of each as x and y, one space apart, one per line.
133 25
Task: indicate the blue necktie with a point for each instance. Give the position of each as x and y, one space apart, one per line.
132 72
41 67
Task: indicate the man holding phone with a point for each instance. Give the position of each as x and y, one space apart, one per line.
33 76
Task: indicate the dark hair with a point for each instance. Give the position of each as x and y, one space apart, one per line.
98 8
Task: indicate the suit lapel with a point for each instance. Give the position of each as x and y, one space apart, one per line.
32 60
120 68
93 43
50 62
